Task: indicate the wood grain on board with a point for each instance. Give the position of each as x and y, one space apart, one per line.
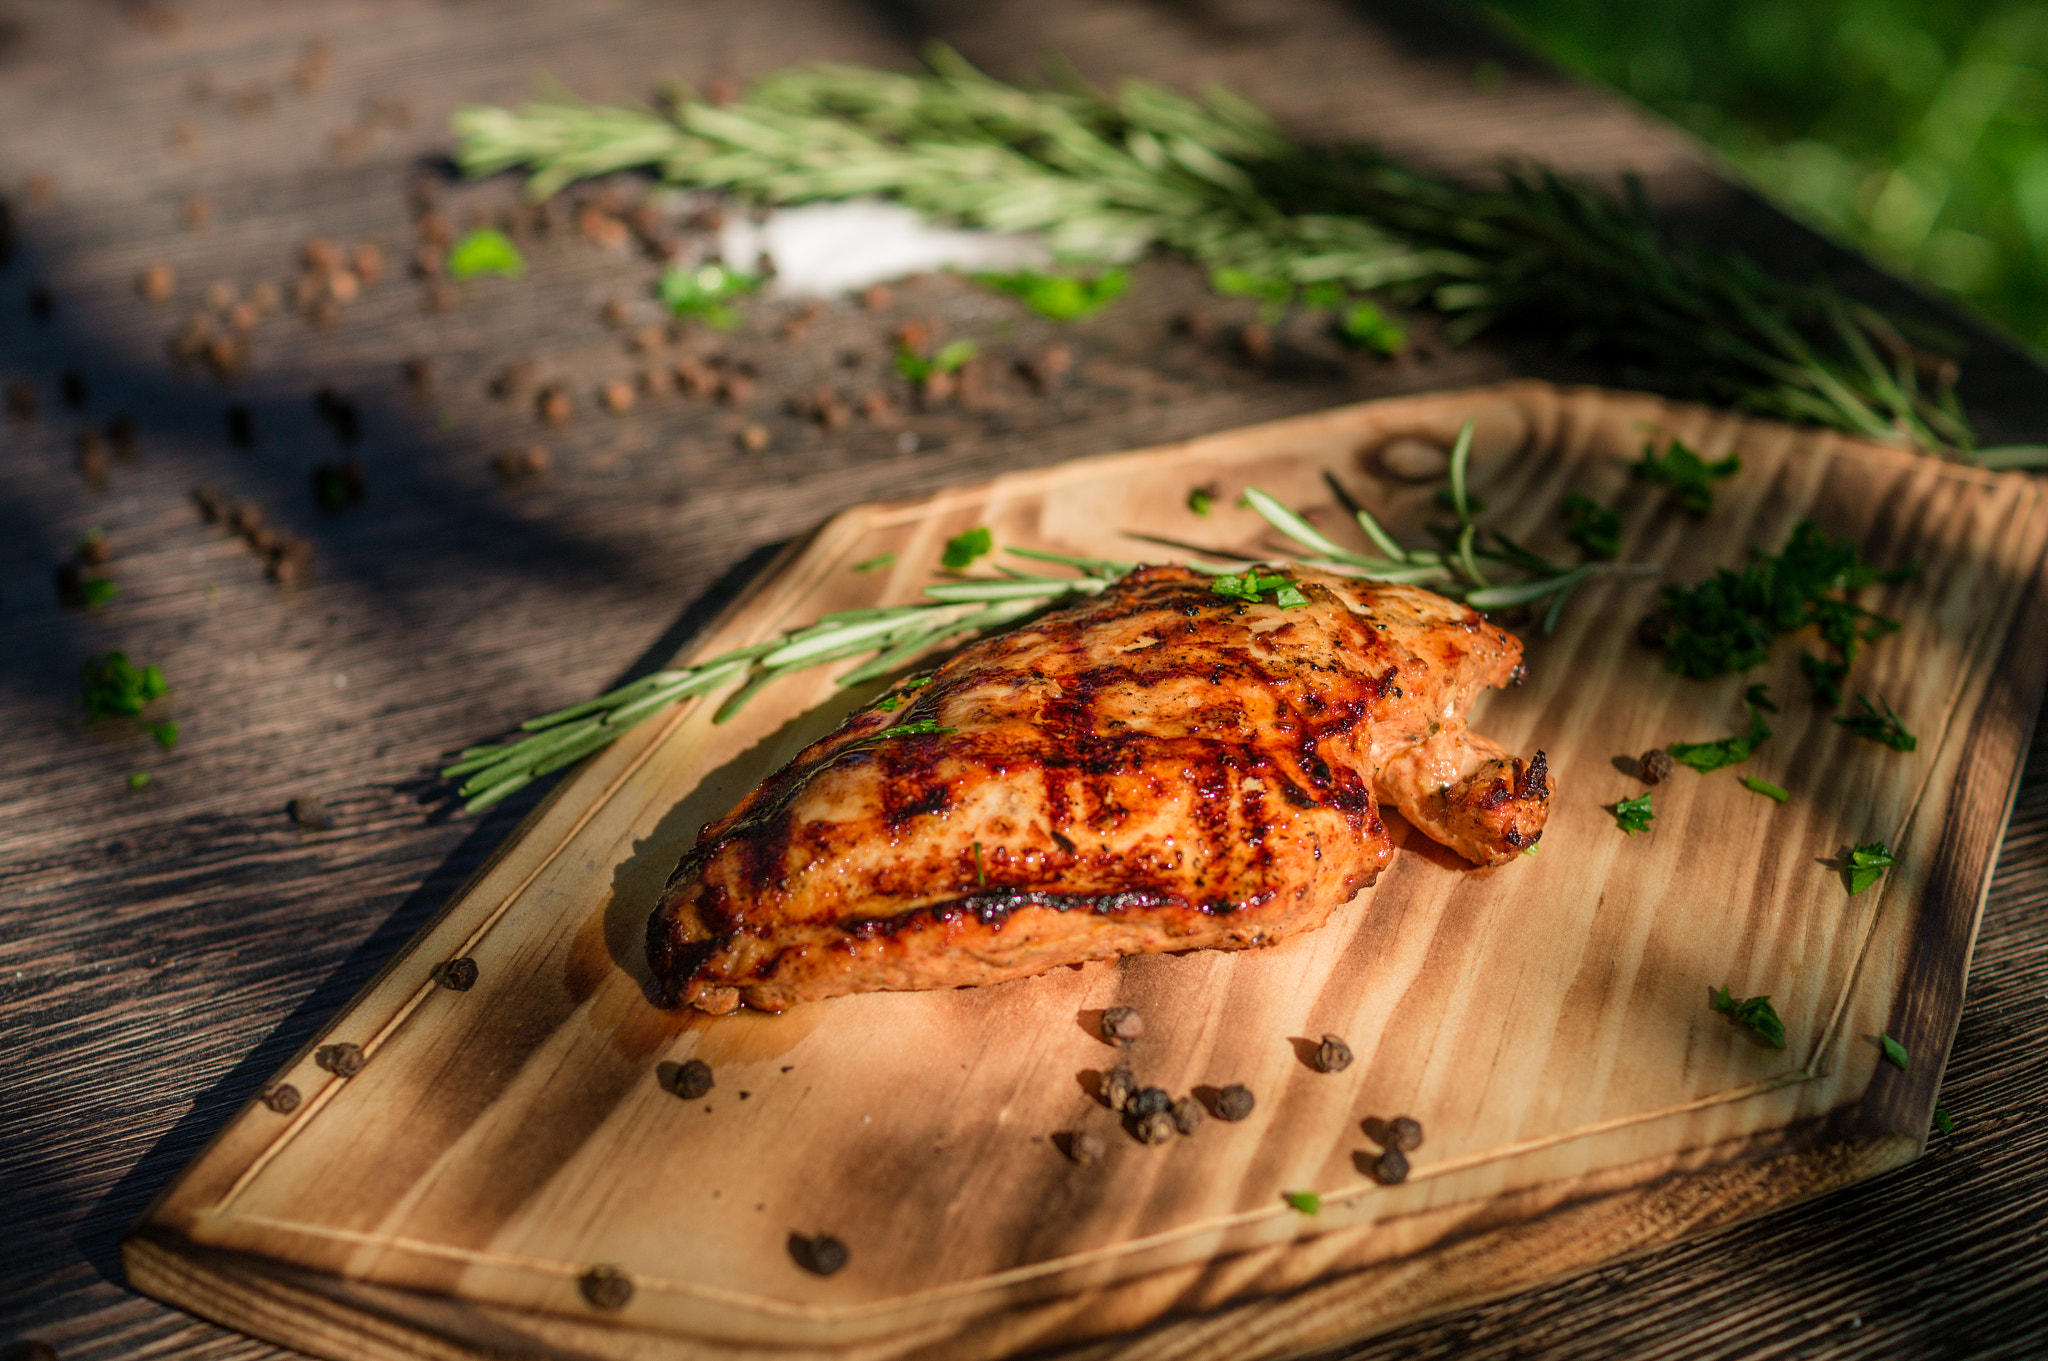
1548 1022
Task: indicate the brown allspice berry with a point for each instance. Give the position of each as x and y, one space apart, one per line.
343 286
1149 1101
694 376
158 282
877 298
821 1255
1187 1115
515 467
1234 1102
606 1287
1404 1132
1154 1127
283 1098
320 254
91 458
1331 1055
367 260
309 813
1121 1025
1086 1147
1118 1087
343 1060
242 317
1390 1168
694 1079
1655 766
555 406
617 396
458 975
735 388
754 438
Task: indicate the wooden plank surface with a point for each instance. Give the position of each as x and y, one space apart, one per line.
1546 1020
163 950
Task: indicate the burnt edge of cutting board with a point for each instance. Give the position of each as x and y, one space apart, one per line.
1884 1128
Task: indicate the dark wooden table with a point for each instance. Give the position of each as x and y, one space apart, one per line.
164 948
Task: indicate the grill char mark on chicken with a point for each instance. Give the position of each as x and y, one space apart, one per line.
1155 768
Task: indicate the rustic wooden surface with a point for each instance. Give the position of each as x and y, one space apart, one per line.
1546 1019
163 950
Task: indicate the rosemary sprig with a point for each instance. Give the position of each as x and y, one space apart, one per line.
1105 177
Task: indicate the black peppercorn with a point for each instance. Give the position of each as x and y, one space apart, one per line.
694 1079
607 1287
1118 1087
342 1060
1234 1102
1331 1056
1154 1128
1655 766
1390 1168
1149 1101
283 1098
1187 1115
821 1255
241 426
1404 1132
1085 1146
459 975
1121 1025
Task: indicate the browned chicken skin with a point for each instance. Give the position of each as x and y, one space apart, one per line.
1156 768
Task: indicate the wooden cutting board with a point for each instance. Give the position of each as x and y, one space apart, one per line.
512 1173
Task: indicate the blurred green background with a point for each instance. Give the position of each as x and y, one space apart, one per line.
1915 129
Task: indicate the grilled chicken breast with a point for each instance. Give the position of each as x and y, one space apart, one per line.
1156 768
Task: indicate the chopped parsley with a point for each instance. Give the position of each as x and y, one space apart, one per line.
702 293
1867 864
1878 727
1760 696
923 727
1365 327
1825 675
1755 1013
1308 1202
964 547
139 780
1728 622
1202 499
165 733
114 687
1061 297
1729 751
1687 474
1765 788
1895 1053
485 251
980 878
916 367
875 563
1592 526
889 704
94 592
1943 1121
1634 815
1251 585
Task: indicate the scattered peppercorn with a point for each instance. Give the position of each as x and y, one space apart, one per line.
754 438
459 975
1234 1102
607 1287
1148 1101
343 1060
1118 1087
1085 1147
283 1098
309 811
1154 1127
694 1079
518 466
241 426
1390 1168
1121 1025
1187 1115
72 385
555 406
158 282
821 1255
92 460
1404 1132
617 395
1331 1056
339 413
1655 766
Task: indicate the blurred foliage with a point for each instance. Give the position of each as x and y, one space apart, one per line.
1916 129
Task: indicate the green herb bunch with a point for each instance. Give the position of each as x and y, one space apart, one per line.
1105 177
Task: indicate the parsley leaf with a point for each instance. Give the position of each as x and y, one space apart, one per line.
1878 727
485 251
1707 756
139 780
1867 864
1756 1013
1760 696
1728 622
1363 326
923 727
1895 1053
916 367
1061 297
1634 815
963 548
1202 500
1308 1202
1250 586
1825 675
114 687
703 293
1765 788
1943 1121
1592 526
875 563
1687 474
